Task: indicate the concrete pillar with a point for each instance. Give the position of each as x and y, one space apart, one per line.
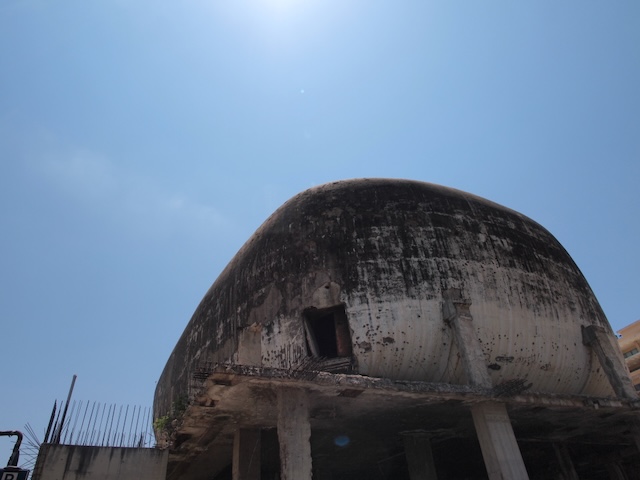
616 472
500 451
294 434
564 460
610 360
246 454
417 449
455 311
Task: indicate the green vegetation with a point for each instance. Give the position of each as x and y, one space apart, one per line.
166 424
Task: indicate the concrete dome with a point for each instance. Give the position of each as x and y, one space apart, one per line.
373 259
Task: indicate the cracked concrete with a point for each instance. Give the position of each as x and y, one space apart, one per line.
375 258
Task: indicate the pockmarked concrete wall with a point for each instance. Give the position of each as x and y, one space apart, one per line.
74 462
386 252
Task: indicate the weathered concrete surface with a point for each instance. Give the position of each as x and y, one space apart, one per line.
386 250
456 314
607 351
357 271
499 446
73 462
376 414
294 434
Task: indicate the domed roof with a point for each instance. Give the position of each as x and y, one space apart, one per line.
376 256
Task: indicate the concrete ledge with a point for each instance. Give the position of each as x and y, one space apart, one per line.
513 392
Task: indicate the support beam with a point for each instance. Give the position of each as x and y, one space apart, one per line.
455 312
246 454
417 449
567 469
294 434
500 451
611 360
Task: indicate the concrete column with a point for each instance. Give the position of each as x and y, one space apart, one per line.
294 434
500 451
455 312
417 449
610 360
616 472
564 460
246 454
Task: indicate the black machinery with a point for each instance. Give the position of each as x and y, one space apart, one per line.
12 471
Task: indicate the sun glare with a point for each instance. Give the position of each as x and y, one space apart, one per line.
280 4
286 7
284 25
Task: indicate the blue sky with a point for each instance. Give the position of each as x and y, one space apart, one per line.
141 143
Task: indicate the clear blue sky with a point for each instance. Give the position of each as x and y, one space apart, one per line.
141 143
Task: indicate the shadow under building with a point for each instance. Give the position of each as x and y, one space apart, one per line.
394 329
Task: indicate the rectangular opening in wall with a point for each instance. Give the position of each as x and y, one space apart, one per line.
328 334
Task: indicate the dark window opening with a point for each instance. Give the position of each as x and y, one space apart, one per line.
328 334
324 334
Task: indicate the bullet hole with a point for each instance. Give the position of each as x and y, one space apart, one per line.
494 366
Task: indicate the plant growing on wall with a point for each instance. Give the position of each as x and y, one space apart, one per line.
166 425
